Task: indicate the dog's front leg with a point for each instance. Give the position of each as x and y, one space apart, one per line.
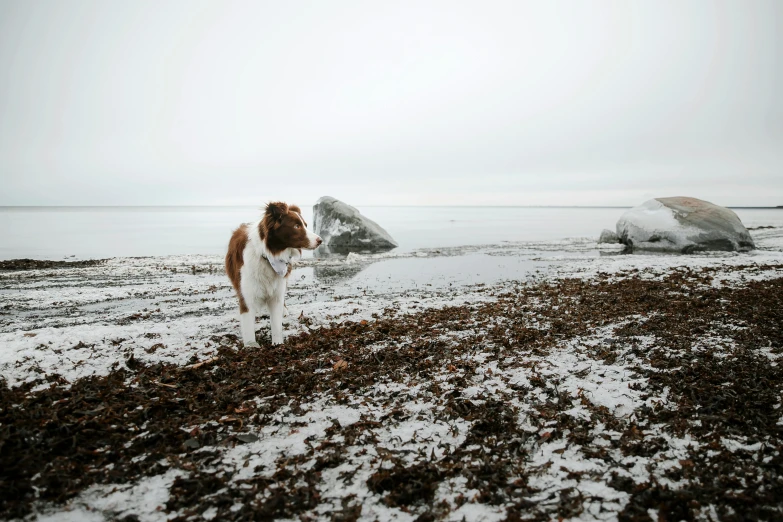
276 319
247 321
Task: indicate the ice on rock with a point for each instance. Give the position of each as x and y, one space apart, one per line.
683 224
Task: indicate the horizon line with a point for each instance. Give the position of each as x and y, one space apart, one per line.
361 205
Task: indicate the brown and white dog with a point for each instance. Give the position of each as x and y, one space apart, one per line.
258 263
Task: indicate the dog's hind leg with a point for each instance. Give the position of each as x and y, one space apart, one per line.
247 322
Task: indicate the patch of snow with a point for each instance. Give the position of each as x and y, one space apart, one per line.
145 499
734 445
474 511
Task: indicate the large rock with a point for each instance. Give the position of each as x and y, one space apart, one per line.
683 225
341 226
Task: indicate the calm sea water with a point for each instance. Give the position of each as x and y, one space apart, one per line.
99 232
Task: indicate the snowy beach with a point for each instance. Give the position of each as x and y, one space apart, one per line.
523 261
519 381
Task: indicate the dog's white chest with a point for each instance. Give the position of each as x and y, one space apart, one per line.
260 282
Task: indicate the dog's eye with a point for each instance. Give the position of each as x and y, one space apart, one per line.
297 226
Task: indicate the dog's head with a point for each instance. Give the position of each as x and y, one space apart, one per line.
283 227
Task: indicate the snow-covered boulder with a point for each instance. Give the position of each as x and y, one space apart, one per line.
683 225
342 226
607 236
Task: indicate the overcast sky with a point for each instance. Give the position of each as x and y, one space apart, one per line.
387 102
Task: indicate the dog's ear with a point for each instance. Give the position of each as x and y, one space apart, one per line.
295 208
276 211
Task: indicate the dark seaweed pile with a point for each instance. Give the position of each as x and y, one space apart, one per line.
36 264
712 354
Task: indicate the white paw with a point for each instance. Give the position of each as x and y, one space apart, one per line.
252 344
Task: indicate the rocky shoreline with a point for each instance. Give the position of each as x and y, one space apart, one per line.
633 394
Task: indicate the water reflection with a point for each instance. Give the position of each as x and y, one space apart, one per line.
326 251
343 263
336 273
615 251
434 273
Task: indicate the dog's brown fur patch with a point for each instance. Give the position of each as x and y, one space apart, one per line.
234 262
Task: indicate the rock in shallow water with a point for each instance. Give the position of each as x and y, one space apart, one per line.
341 226
607 236
684 225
